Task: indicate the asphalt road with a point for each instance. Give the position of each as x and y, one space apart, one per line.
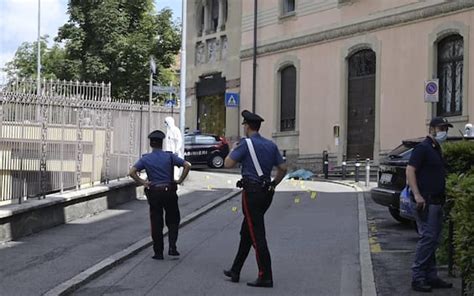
392 248
313 240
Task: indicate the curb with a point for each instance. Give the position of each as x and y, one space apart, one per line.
365 258
98 269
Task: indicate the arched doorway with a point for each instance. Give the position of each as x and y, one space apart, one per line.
361 105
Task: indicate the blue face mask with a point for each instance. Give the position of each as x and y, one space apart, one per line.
441 136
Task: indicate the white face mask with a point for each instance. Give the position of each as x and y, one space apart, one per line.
441 136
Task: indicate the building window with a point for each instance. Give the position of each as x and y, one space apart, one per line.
362 63
201 22
450 74
211 16
288 7
214 15
225 14
288 98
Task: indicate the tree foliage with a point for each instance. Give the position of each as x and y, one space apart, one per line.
109 41
113 40
460 206
53 61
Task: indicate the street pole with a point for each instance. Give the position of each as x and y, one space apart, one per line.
150 95
182 86
171 98
38 66
254 69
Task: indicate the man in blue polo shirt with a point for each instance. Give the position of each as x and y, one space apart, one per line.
160 190
257 195
426 177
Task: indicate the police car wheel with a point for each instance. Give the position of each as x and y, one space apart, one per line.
217 161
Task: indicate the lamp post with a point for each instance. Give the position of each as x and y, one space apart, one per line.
254 64
150 92
182 86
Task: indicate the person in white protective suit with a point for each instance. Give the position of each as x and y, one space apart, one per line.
174 140
468 130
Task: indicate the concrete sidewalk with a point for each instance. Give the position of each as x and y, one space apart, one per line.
37 263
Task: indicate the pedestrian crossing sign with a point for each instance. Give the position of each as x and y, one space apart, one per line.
232 100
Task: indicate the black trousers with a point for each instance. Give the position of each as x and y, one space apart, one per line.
167 201
252 233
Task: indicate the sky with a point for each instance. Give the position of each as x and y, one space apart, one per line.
19 22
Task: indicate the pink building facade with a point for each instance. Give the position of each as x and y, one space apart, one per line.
348 77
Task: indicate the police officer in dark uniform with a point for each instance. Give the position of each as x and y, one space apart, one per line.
426 176
257 195
160 190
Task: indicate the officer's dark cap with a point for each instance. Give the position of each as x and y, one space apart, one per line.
156 135
440 121
251 117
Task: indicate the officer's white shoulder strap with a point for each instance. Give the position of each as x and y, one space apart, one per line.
254 157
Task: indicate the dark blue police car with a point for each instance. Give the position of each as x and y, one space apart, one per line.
205 149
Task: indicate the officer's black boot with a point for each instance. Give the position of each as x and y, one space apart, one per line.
173 237
158 250
264 280
158 256
421 286
233 275
260 282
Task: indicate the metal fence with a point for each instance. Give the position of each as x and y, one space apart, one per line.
71 136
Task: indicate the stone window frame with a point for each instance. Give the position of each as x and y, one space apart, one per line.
285 61
204 12
200 19
442 31
286 14
454 78
289 101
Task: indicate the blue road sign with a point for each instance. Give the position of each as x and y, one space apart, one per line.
431 88
232 100
170 103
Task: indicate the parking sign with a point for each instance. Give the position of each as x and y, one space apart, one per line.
432 91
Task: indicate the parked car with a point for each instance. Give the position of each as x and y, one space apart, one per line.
391 176
205 149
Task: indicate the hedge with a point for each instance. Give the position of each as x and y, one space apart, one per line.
459 158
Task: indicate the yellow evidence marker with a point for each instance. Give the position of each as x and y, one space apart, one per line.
313 195
234 209
297 200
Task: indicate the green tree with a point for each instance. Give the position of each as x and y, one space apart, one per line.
112 41
53 61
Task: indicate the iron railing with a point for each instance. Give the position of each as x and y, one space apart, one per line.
71 136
